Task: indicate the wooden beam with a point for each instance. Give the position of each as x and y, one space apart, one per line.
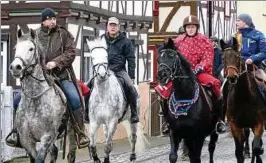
107 14
170 16
171 4
194 8
34 6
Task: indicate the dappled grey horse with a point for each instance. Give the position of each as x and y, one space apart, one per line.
41 109
107 104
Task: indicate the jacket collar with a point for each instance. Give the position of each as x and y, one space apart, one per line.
47 30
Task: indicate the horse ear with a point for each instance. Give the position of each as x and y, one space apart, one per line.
222 44
171 42
32 33
19 33
89 43
234 44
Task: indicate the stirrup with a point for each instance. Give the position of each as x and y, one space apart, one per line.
78 141
216 127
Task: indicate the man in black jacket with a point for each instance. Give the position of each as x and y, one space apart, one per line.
120 50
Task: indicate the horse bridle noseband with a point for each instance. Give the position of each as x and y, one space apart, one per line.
238 70
104 64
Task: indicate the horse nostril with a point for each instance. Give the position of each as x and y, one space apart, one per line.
18 67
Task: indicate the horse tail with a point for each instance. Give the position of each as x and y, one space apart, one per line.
142 142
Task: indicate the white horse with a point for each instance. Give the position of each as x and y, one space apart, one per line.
107 105
41 109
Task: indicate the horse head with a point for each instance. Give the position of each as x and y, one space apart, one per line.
232 60
172 65
99 57
25 55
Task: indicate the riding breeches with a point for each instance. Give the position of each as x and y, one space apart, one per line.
206 79
70 92
127 85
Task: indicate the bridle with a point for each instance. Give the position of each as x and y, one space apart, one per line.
29 68
238 70
176 67
103 64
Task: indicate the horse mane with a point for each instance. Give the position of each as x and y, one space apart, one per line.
187 66
98 42
169 44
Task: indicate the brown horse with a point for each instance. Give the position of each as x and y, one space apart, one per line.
244 101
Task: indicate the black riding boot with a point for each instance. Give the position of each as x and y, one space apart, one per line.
220 126
133 106
86 117
12 137
86 99
83 140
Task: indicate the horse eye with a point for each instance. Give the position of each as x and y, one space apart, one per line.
31 49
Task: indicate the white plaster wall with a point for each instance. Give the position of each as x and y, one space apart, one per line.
255 10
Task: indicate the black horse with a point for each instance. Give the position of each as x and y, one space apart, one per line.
189 110
244 102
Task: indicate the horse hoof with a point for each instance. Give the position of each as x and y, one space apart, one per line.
133 157
172 158
98 161
106 160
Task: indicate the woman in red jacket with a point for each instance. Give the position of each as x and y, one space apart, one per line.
199 51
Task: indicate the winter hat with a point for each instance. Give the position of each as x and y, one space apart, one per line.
245 18
47 13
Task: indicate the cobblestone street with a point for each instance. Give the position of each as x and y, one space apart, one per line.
224 153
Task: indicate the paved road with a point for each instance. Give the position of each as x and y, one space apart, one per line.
158 152
224 153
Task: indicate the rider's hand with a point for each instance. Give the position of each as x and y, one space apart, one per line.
51 65
249 61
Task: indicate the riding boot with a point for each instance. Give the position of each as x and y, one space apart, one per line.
83 140
86 117
86 99
12 137
133 106
220 126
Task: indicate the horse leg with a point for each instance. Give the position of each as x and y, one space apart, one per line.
133 139
71 156
53 153
194 147
46 143
184 156
239 139
93 129
257 142
109 144
213 139
246 147
174 142
31 151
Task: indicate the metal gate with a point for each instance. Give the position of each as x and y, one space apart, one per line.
156 121
6 115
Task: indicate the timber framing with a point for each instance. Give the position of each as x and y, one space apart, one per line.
21 13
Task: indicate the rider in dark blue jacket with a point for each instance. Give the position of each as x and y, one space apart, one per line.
252 45
252 41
